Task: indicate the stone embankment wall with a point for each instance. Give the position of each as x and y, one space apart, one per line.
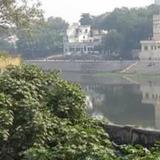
82 66
130 135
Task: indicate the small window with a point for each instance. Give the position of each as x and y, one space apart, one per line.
77 31
152 47
147 95
145 48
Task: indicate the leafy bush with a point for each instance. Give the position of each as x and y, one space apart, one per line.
44 117
137 152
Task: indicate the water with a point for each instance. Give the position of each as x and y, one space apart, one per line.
121 100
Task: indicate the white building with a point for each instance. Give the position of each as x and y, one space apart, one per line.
150 49
82 39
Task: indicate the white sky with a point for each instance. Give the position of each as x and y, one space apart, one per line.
70 10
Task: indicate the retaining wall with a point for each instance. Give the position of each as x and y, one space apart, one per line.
130 135
82 66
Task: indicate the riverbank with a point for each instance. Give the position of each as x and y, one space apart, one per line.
132 135
103 67
81 65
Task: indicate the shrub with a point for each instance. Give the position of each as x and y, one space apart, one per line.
44 117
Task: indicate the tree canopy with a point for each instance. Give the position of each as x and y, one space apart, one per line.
86 19
43 117
18 12
132 25
42 40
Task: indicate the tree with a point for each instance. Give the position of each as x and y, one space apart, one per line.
112 43
18 12
133 25
44 117
86 19
42 40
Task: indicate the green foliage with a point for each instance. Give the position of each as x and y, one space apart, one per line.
16 14
132 25
44 117
86 19
113 43
139 153
19 12
42 40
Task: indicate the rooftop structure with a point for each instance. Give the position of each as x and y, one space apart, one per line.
82 39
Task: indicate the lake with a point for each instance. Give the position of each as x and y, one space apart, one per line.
121 99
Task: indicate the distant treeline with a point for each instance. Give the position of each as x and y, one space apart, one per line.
126 28
40 40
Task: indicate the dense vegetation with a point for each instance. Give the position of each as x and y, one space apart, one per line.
126 28
18 13
44 117
42 40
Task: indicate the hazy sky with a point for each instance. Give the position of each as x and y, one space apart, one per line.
71 10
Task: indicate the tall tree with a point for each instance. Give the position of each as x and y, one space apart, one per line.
113 43
43 40
18 12
133 24
86 19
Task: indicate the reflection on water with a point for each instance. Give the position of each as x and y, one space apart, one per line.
151 95
121 101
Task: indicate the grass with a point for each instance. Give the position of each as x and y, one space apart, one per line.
135 76
109 74
144 77
8 60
